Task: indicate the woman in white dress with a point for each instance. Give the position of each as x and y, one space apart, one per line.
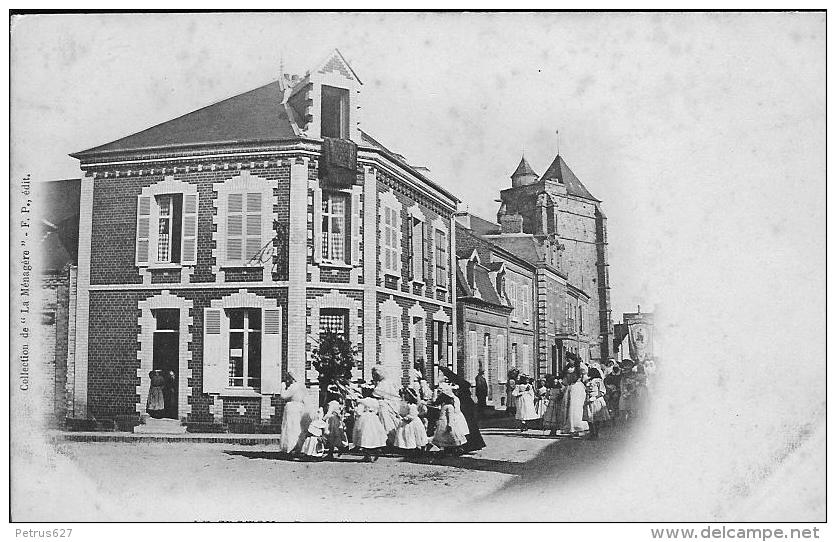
526 412
386 392
573 400
294 427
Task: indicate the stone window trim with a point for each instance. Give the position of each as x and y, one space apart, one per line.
334 299
243 182
245 300
165 187
145 353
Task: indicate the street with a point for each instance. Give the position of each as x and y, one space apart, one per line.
117 481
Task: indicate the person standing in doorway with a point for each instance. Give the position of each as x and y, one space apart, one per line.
481 391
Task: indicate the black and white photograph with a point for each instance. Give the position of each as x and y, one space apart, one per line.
440 266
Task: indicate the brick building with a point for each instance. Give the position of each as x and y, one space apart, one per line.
220 244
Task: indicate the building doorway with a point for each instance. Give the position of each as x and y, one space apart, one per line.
167 356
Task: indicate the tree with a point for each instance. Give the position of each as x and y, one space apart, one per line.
334 358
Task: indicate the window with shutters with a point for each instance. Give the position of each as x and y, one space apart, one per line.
440 259
335 222
244 347
244 221
166 227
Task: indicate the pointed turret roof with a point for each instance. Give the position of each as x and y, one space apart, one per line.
524 169
559 171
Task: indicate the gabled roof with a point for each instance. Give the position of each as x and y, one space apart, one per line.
482 226
559 171
524 169
256 115
523 246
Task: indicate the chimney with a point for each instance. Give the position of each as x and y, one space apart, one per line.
463 219
511 223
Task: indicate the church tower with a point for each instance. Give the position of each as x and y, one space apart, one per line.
556 208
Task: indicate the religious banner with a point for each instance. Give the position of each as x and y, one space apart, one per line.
338 167
640 341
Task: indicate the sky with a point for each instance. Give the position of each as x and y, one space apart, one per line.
702 133
642 101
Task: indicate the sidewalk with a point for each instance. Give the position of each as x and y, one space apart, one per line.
119 436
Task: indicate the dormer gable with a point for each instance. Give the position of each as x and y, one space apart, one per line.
325 102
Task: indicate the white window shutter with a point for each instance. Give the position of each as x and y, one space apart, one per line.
189 250
355 228
501 358
271 352
317 224
235 228
253 225
397 248
143 229
473 347
215 351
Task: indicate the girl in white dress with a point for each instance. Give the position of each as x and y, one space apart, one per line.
447 436
314 445
336 439
411 434
293 418
541 399
595 408
524 394
369 435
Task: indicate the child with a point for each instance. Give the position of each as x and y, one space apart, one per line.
447 436
336 438
595 408
612 383
541 399
524 394
551 418
369 435
314 443
411 435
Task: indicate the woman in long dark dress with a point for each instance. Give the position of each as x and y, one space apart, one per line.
468 408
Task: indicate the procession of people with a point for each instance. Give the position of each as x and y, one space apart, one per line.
417 419
381 417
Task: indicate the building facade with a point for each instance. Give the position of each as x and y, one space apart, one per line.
221 244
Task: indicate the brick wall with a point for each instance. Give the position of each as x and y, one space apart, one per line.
113 241
113 350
